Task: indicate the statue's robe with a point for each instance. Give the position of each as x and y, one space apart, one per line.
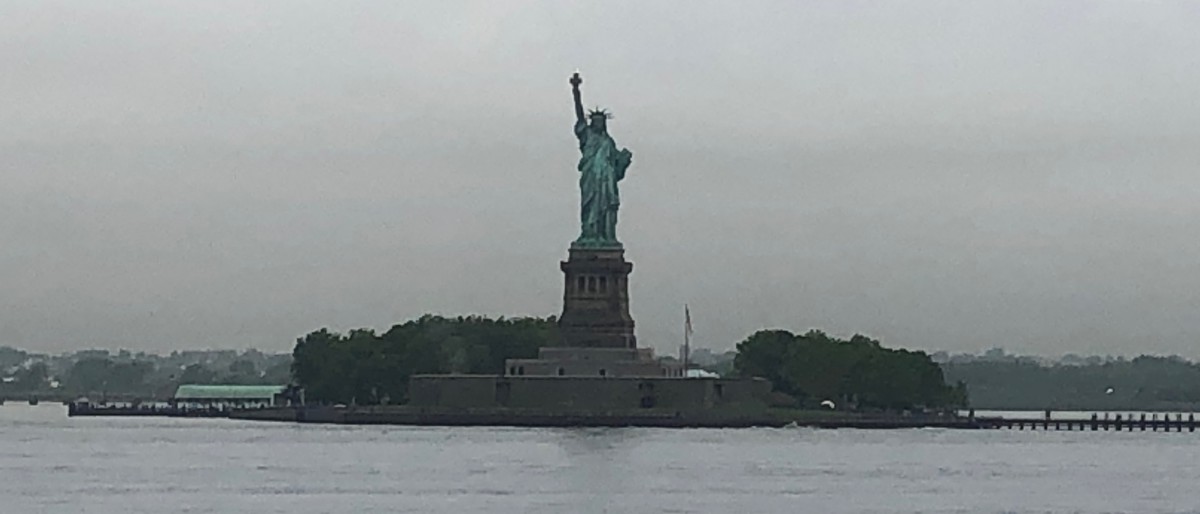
601 166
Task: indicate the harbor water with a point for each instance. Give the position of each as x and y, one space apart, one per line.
51 463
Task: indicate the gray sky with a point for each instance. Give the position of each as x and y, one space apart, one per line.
940 175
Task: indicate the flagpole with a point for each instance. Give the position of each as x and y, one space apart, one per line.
687 339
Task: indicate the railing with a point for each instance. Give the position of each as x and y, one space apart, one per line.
1118 422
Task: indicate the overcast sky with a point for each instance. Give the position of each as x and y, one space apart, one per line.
939 175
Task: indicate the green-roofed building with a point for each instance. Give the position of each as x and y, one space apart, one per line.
229 396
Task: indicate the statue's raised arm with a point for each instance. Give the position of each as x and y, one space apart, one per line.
576 80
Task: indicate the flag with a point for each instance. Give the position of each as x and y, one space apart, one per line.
687 320
687 338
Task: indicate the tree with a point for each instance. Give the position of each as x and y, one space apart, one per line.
858 372
89 375
316 364
129 376
241 371
102 375
278 373
197 374
10 357
1143 383
368 368
33 378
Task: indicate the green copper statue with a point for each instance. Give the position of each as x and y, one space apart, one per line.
600 168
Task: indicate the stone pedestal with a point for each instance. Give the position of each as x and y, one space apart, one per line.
592 362
596 299
596 328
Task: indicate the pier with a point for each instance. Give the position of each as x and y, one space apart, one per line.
1141 422
79 409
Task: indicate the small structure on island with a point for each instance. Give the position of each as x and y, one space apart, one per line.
226 397
598 369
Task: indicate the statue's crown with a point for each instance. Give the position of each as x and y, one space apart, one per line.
600 112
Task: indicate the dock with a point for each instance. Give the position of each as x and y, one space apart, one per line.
77 409
1096 423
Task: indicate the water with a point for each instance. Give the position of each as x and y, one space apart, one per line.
52 464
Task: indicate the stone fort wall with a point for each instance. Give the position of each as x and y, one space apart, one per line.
587 393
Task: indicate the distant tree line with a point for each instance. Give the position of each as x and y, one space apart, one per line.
858 373
1019 383
99 373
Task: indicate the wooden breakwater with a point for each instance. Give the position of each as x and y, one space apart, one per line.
77 409
1097 422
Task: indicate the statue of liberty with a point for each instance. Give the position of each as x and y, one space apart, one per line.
601 166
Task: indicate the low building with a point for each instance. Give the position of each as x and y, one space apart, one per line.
229 396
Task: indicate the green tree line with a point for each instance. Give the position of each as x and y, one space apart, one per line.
858 373
367 368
